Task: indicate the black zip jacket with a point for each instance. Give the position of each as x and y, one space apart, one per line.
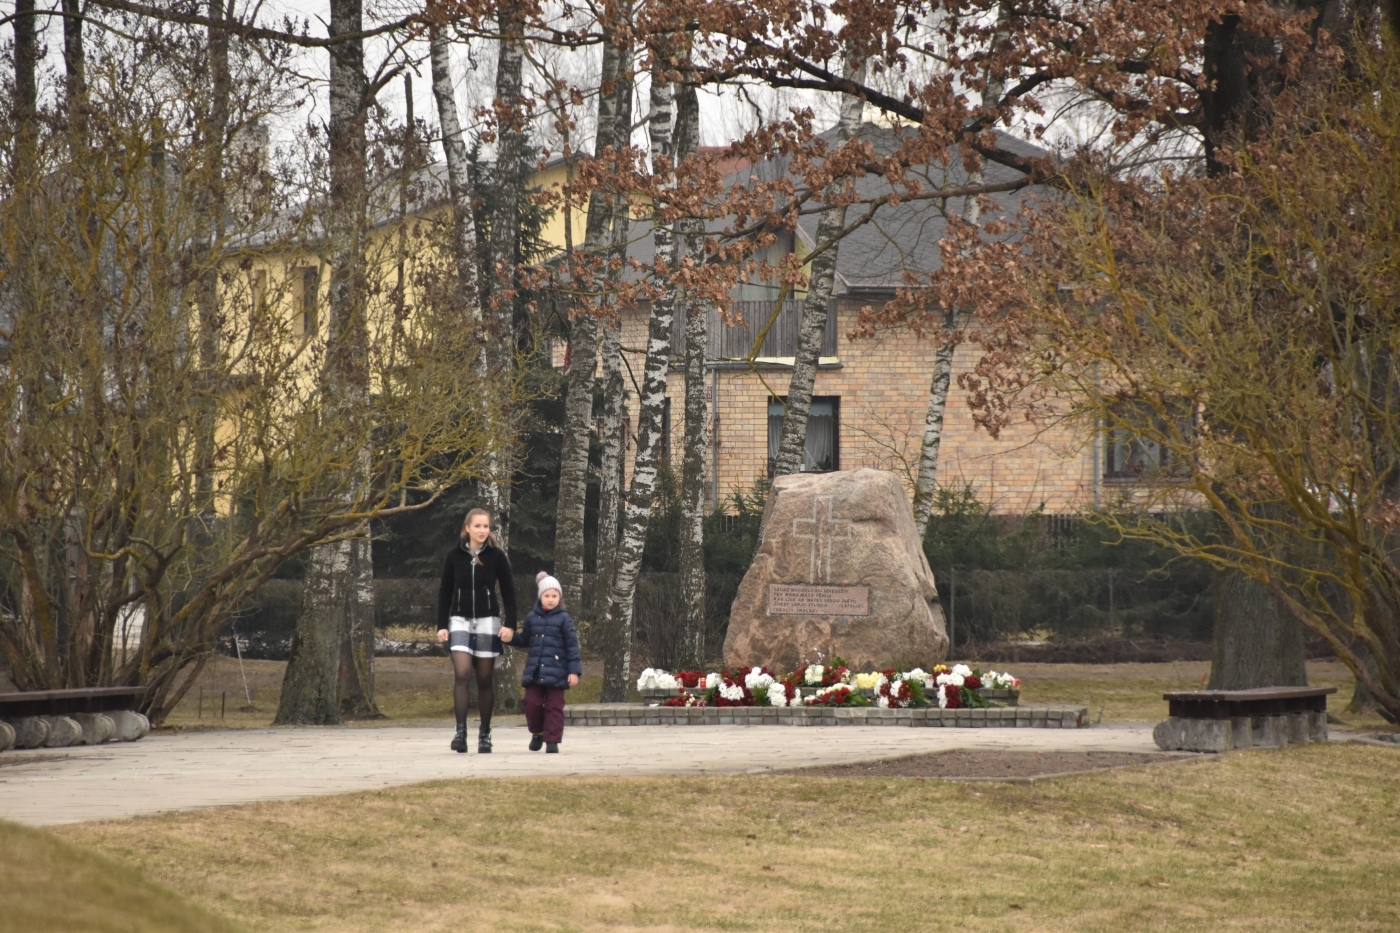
469 586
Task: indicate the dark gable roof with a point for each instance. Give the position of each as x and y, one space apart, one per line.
875 256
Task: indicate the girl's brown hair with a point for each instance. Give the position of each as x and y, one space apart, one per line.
466 523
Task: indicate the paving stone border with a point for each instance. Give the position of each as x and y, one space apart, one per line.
1010 717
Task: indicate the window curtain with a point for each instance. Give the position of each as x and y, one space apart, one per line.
820 454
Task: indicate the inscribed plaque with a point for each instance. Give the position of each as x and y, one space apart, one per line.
811 600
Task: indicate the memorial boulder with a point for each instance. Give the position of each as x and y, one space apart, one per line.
839 571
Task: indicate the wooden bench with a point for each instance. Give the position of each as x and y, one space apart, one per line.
67 702
1219 720
59 718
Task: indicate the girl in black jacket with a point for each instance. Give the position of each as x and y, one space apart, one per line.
472 622
553 666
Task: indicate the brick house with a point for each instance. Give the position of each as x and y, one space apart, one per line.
871 395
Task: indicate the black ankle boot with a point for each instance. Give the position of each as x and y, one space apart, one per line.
551 748
536 742
459 741
483 742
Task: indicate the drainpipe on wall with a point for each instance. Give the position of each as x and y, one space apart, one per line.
1096 468
714 436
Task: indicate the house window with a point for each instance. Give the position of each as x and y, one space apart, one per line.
1135 453
1130 456
823 452
304 324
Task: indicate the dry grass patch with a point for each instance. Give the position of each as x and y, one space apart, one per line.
51 886
1133 692
409 690
415 690
1304 838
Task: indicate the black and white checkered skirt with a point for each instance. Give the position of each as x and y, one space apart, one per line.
479 637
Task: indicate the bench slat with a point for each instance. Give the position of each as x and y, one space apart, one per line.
1257 693
78 700
1261 701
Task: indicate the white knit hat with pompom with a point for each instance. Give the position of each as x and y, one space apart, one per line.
544 582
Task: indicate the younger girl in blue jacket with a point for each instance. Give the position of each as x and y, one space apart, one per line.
553 666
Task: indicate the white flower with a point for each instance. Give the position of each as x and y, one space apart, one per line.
756 680
962 670
777 694
813 674
711 680
942 695
656 679
883 702
1000 681
735 692
919 674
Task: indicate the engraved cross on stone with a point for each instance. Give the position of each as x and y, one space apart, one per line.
821 529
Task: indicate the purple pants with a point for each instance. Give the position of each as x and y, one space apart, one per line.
544 712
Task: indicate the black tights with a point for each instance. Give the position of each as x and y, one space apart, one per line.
462 664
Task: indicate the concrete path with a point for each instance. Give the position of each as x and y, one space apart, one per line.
212 769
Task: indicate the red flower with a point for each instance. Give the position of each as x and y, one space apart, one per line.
972 683
691 678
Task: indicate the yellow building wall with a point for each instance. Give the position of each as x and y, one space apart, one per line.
882 384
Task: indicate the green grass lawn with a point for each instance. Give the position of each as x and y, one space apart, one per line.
1304 838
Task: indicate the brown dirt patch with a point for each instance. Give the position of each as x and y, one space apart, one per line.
987 765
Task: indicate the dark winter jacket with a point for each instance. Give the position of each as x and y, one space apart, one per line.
552 641
469 586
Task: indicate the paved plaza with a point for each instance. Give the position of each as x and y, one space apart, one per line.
222 768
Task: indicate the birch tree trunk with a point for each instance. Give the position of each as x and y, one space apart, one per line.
216 137
331 669
815 310
506 305
927 483
26 99
613 108
615 641
454 149
610 466
692 545
464 256
614 438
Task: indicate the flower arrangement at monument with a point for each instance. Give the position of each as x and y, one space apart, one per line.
833 684
813 676
901 691
685 699
836 695
997 681
758 679
868 681
956 687
748 688
780 694
654 680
